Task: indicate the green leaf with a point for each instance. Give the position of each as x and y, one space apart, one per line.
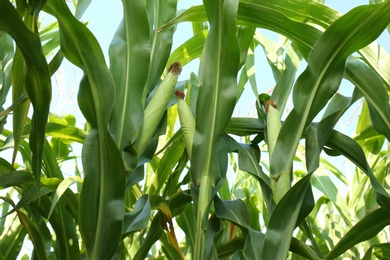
245 40
249 161
102 196
382 250
302 249
12 238
283 221
365 229
81 7
129 63
319 133
370 85
165 168
186 222
189 50
322 182
237 212
138 218
342 144
37 84
284 85
63 223
62 187
6 60
216 99
32 230
378 59
243 126
302 10
154 233
323 75
17 178
161 42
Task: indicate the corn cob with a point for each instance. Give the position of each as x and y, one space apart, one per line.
273 125
187 121
280 184
154 111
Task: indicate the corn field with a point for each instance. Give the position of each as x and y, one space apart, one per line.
163 168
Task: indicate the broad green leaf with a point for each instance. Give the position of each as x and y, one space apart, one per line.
101 200
20 113
245 39
302 249
243 126
192 14
62 187
375 94
129 63
336 172
138 218
248 71
323 183
154 233
170 251
367 133
319 133
302 10
161 42
290 19
258 15
378 59
342 144
293 15
65 133
322 77
229 248
215 103
159 177
173 183
37 84
101 208
17 178
237 212
283 87
31 195
248 160
365 229
283 221
6 59
381 250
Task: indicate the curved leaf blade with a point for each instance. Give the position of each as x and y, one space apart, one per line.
38 84
130 59
365 229
283 221
323 75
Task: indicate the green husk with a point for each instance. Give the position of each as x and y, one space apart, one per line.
187 121
279 184
154 111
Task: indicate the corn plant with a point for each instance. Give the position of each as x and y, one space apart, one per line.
165 170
